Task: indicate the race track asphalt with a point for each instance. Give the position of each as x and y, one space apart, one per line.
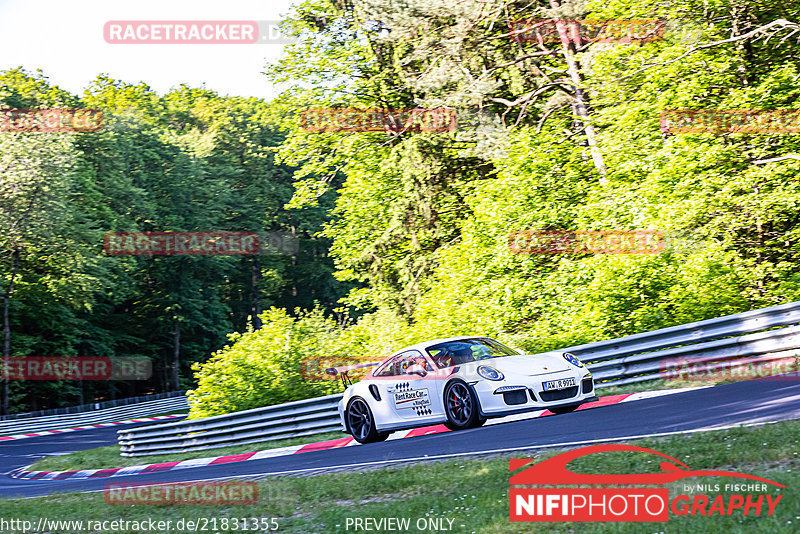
754 401
21 452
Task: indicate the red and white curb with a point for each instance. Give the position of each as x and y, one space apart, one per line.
88 427
312 447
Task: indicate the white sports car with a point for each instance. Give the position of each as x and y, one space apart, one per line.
460 382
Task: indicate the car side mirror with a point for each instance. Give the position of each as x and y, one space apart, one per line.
416 369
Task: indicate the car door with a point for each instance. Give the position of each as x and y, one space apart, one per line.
416 395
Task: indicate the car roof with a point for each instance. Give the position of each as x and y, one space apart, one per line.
425 344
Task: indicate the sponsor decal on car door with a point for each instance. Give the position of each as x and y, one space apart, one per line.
409 401
414 394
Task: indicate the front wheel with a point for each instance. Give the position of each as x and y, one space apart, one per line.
461 406
361 423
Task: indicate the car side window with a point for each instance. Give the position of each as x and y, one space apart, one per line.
422 361
399 364
414 357
390 368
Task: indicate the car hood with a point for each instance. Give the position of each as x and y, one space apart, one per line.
530 364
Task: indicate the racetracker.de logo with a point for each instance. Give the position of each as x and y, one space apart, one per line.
194 32
75 368
719 121
186 493
585 242
314 369
622 31
710 370
378 120
622 503
50 120
200 243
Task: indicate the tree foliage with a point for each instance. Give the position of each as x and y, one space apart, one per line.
189 160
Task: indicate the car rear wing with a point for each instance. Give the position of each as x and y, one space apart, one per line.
344 369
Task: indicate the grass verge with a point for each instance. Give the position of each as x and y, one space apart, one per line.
473 492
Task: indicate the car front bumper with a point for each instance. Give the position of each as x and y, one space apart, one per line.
513 395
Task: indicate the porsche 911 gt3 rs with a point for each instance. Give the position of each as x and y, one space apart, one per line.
460 382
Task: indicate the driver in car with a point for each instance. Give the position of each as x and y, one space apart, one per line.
454 356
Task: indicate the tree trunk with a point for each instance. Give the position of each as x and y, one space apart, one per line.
581 104
294 260
255 308
7 329
176 355
744 49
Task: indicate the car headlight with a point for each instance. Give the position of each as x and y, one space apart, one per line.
573 360
490 373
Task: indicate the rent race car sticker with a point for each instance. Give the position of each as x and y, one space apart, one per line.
629 503
406 397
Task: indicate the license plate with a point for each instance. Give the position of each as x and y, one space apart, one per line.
558 384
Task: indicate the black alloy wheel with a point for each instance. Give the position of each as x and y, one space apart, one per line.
460 406
361 423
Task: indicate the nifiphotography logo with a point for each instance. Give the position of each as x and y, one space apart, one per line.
625 503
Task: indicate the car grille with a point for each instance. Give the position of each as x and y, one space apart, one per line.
559 394
515 397
586 385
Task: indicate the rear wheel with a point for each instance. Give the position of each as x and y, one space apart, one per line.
460 406
361 423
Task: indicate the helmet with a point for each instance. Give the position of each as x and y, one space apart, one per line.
462 353
444 358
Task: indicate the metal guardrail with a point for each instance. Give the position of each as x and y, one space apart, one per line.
54 422
733 351
685 334
636 358
280 421
92 406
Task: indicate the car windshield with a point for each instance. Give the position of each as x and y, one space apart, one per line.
464 351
